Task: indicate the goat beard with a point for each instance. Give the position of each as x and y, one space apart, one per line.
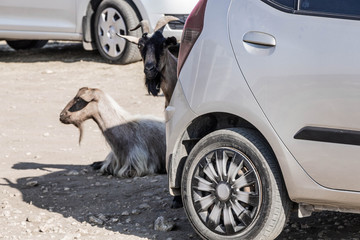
80 127
153 85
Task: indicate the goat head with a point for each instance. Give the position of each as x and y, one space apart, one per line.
79 109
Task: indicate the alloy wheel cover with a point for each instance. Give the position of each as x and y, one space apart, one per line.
226 191
110 23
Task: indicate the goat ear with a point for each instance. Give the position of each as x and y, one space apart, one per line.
88 95
170 41
131 39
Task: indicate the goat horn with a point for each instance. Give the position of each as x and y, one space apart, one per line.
145 27
163 21
131 39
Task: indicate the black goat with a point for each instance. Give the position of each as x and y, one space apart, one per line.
157 53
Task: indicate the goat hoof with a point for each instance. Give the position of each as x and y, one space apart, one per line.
96 165
177 202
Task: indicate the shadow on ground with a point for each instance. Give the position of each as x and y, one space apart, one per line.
52 51
128 206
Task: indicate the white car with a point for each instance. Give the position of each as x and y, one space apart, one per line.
265 115
30 23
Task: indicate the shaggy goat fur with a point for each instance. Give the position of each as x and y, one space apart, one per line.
160 62
137 144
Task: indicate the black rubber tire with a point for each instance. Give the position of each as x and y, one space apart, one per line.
26 44
130 53
274 207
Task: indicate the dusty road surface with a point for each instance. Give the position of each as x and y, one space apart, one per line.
47 189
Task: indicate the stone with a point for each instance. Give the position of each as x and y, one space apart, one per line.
95 220
144 206
161 224
32 183
72 173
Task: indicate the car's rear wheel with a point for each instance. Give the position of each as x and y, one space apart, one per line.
232 187
112 17
26 44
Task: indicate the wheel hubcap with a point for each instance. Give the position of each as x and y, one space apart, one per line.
223 191
110 23
111 32
226 191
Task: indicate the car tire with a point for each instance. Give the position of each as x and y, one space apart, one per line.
232 187
116 16
26 44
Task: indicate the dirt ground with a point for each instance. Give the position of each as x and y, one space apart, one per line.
47 189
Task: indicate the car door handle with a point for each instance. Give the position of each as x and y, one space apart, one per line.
260 38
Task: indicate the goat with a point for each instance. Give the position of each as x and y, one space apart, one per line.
137 144
159 61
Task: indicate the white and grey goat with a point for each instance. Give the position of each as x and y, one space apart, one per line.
137 144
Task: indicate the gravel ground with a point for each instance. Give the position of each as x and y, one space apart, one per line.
48 190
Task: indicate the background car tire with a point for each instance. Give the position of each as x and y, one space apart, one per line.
232 187
116 16
26 44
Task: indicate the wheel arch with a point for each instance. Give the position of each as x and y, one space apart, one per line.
196 130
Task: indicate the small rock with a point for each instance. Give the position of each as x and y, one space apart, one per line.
36 219
304 226
95 220
32 184
148 194
66 189
128 220
125 213
46 134
163 225
72 173
144 206
48 72
102 217
135 212
6 213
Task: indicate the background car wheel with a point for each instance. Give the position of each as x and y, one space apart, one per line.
232 187
116 16
26 44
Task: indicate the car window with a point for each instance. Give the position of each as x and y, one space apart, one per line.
342 7
286 3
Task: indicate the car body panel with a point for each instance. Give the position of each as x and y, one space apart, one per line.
62 20
307 79
38 15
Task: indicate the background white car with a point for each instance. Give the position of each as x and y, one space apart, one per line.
94 22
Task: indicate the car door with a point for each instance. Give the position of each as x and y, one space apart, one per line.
38 15
300 59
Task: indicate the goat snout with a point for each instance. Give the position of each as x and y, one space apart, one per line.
150 71
149 67
64 118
